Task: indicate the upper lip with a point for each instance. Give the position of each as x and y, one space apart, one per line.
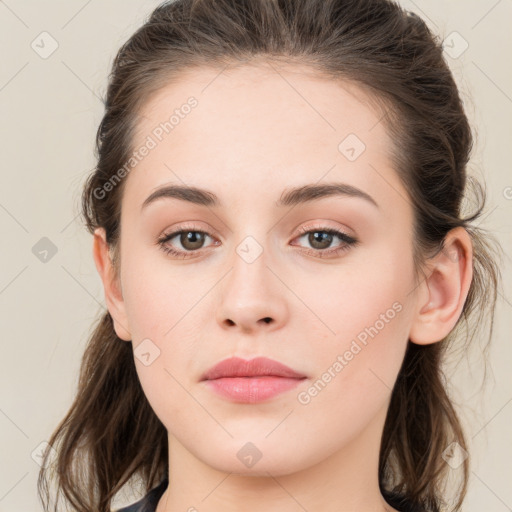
259 366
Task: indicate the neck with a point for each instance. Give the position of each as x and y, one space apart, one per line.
346 480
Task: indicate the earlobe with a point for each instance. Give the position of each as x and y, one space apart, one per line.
443 293
111 285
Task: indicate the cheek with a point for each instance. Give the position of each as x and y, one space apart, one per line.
355 375
164 321
154 296
359 299
364 319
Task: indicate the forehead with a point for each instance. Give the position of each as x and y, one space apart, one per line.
264 127
256 96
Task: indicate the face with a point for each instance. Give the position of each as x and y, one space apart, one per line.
320 283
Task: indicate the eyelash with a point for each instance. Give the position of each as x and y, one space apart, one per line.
349 242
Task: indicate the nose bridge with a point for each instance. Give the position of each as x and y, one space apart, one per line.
249 279
252 245
251 294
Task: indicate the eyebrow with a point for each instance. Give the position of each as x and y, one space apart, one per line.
289 197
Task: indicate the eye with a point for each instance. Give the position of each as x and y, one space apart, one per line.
190 239
320 238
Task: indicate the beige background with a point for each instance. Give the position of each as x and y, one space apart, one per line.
50 109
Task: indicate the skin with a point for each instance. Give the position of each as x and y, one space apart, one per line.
254 133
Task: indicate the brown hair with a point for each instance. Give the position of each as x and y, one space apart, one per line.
110 433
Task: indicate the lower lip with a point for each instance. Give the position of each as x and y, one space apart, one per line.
251 389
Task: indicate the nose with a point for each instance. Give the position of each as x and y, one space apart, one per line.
252 296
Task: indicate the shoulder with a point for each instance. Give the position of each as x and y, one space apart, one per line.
149 502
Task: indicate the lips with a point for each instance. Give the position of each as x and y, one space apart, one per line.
258 367
251 382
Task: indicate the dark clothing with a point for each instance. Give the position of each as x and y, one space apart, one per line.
401 504
149 502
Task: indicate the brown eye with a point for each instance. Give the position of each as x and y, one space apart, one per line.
320 239
192 240
186 243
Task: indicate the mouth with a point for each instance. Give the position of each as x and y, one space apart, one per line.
251 381
257 367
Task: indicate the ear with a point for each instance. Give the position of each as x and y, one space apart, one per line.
443 293
111 284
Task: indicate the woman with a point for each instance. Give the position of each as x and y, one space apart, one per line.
277 220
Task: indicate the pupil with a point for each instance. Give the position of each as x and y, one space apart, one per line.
192 237
323 239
